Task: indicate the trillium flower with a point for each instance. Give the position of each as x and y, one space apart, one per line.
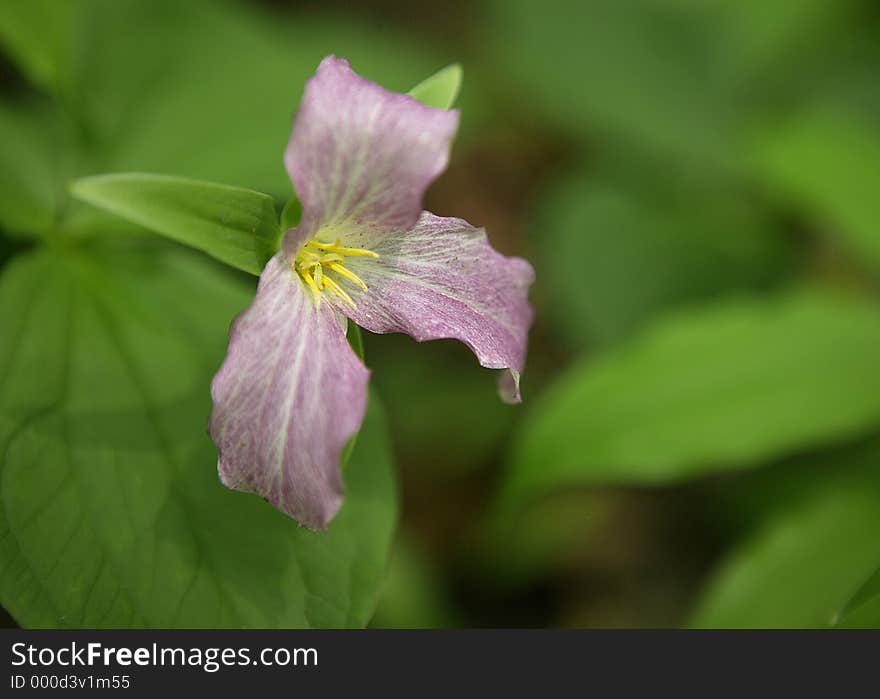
291 391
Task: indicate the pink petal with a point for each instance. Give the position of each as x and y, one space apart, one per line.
289 395
442 279
361 157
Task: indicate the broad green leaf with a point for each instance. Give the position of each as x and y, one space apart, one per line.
828 164
863 609
592 237
441 89
800 568
38 35
237 226
112 512
729 385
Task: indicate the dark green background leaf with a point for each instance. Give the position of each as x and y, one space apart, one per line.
612 254
863 609
582 81
38 34
729 385
799 568
828 164
32 164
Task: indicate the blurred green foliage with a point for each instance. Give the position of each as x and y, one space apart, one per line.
862 609
731 385
697 185
596 238
815 520
828 164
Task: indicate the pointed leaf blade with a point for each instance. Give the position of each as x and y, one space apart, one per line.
441 89
236 226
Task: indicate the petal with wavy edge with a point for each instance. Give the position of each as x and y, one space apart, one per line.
442 279
361 157
288 396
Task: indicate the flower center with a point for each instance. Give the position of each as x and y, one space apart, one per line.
322 267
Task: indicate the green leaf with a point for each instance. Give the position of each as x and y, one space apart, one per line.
111 513
863 608
681 246
31 158
441 89
828 164
291 214
784 49
38 35
800 568
237 226
729 385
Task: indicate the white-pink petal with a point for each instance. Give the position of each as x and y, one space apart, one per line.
361 156
290 394
442 279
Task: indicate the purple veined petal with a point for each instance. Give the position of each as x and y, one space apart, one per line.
288 396
361 157
442 279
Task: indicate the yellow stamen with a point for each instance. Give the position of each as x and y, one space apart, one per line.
315 262
348 274
356 252
337 248
311 283
336 289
